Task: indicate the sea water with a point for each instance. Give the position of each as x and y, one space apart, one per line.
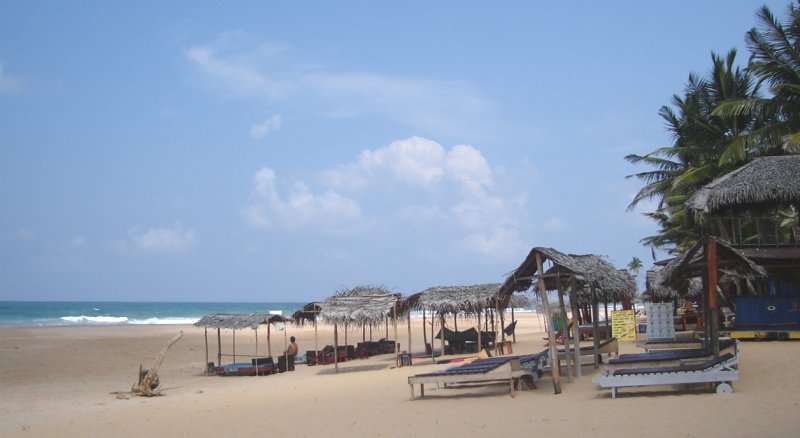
66 313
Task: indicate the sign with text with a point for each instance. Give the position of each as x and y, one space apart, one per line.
623 325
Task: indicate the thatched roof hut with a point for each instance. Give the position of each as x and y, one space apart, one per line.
693 264
362 305
588 270
238 321
657 290
765 181
308 313
459 299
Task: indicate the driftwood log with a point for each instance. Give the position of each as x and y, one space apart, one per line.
148 382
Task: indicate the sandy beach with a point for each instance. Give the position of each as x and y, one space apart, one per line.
64 381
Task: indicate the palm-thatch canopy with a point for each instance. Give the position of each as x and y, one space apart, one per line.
238 321
519 302
588 270
692 264
362 305
456 299
657 290
308 313
763 181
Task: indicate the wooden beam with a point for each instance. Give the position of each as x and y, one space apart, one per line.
551 336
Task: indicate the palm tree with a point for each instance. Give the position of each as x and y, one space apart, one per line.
775 60
699 139
635 266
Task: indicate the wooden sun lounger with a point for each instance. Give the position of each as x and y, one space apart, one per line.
661 358
721 371
492 369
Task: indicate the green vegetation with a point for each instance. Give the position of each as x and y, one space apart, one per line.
720 122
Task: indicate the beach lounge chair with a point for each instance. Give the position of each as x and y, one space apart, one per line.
487 370
660 358
721 371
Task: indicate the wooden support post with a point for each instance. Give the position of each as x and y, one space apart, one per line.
441 332
433 340
514 333
394 321
410 351
565 328
219 347
551 336
205 331
269 341
595 327
316 339
576 338
480 344
711 258
336 346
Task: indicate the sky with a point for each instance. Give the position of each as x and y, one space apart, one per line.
281 151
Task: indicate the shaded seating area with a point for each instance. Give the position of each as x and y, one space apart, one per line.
466 341
721 371
490 370
258 364
367 349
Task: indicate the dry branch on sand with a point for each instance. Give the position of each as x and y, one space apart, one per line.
148 378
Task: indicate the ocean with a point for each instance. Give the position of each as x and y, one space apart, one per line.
71 313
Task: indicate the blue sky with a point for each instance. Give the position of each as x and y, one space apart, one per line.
279 151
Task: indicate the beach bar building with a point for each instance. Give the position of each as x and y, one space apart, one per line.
754 209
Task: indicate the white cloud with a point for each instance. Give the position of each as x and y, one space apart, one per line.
160 240
415 161
448 197
233 65
8 83
329 211
271 124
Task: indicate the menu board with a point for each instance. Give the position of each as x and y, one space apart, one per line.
623 325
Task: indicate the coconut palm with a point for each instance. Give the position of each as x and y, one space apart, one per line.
699 139
775 60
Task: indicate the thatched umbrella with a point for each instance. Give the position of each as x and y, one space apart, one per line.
705 259
235 322
363 305
658 290
764 181
587 275
472 299
309 313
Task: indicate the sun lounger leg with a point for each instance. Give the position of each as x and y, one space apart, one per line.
411 385
511 383
421 390
613 392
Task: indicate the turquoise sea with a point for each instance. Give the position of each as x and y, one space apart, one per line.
66 313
